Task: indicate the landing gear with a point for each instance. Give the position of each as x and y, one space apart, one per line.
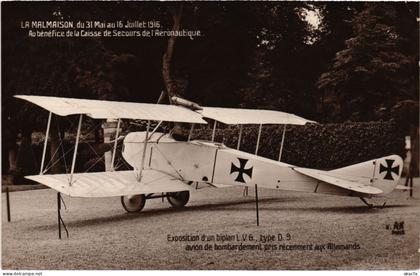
178 199
133 203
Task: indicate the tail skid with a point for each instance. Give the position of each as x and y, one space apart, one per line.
370 205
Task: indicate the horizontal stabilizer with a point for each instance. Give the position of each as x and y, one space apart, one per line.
107 184
402 187
333 179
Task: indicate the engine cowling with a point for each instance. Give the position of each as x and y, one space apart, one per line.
134 144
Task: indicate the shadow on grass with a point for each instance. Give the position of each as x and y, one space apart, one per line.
217 207
351 209
242 205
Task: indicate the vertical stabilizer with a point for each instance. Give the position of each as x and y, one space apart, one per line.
382 173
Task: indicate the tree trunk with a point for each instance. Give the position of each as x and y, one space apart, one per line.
12 159
99 137
12 163
161 97
167 57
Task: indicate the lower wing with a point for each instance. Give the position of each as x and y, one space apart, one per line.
107 184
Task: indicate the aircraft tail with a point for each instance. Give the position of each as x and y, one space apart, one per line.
382 173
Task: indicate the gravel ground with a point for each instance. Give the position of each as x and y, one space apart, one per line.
103 236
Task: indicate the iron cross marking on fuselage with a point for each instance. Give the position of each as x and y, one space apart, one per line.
241 170
389 169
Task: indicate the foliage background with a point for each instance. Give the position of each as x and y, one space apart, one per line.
332 62
327 146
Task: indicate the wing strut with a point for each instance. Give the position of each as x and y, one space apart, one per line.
44 151
79 127
282 142
258 140
214 130
189 134
240 136
144 150
154 130
114 151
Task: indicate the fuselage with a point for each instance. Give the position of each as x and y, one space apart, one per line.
218 165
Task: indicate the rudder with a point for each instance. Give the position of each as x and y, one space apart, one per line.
382 173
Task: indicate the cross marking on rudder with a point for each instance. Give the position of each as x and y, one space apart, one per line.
389 169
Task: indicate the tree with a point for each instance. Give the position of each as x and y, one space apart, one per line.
274 77
292 51
375 70
167 56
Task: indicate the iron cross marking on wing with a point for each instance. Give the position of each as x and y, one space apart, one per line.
241 170
389 169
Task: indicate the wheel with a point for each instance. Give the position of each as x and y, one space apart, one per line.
178 199
133 203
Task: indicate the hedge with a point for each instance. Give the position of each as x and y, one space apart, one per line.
314 145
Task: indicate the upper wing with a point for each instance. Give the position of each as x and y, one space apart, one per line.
350 183
115 110
98 109
106 184
251 116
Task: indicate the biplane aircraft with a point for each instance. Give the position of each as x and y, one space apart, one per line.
165 167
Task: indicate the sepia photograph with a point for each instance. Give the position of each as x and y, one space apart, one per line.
190 135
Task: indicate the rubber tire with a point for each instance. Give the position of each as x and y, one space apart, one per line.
178 199
137 203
